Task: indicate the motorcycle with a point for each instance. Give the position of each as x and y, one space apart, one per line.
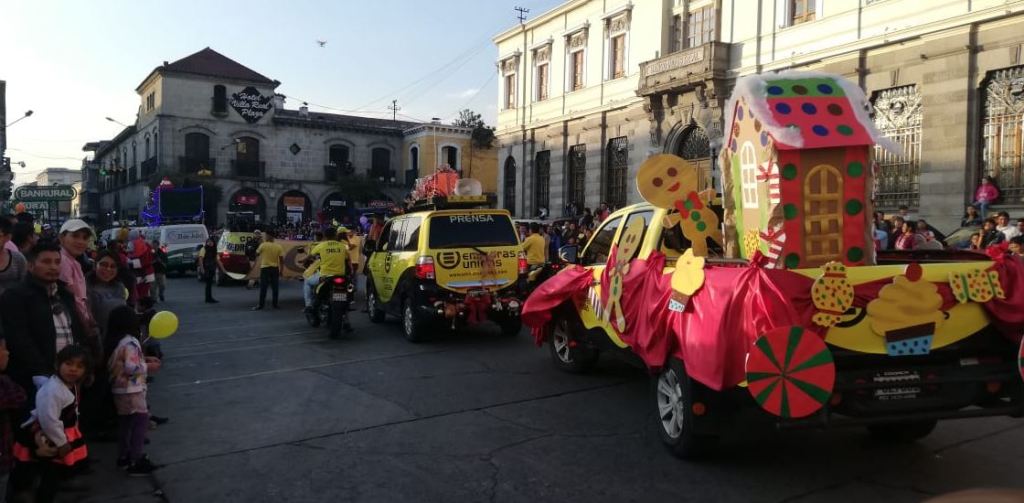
330 305
538 274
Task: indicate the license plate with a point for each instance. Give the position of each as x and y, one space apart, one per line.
902 385
339 297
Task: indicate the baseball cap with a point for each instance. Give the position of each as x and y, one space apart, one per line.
342 230
75 225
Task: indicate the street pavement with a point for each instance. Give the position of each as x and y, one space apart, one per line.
265 408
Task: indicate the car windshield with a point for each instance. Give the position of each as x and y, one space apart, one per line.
466 231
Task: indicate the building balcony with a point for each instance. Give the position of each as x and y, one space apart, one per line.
247 169
684 70
149 166
194 165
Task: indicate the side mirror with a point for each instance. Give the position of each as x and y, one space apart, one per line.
569 253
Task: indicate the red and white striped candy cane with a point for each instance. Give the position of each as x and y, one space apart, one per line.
770 175
775 238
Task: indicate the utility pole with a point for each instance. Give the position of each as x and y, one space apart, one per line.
522 105
522 14
394 109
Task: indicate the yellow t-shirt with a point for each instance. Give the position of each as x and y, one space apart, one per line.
332 258
270 254
535 249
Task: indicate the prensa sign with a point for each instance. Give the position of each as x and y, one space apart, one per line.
250 104
51 193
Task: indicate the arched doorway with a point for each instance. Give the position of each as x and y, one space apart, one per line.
336 207
248 200
294 207
692 144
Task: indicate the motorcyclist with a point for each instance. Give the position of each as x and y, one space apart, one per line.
333 260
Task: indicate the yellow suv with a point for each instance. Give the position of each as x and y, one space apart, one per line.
446 264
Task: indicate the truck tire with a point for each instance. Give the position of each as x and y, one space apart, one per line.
413 327
567 356
511 327
373 304
672 395
902 433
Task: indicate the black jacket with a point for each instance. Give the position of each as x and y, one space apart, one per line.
28 328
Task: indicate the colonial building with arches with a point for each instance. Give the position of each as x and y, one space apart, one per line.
210 120
583 92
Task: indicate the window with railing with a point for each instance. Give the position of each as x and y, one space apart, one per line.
510 184
577 187
897 115
616 171
1003 132
542 181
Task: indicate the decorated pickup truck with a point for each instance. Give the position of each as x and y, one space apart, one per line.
773 298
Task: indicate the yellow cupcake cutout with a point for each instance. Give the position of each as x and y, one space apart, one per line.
907 313
689 274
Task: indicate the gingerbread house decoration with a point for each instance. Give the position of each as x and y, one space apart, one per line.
796 169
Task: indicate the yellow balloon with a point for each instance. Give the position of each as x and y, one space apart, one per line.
163 325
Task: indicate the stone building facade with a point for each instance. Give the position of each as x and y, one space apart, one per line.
571 129
945 80
215 121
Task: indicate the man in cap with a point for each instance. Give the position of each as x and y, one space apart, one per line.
74 241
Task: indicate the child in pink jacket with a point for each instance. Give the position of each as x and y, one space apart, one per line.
986 195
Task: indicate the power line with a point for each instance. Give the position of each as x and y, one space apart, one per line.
44 156
468 53
490 77
446 76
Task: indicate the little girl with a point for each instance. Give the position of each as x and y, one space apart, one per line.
128 368
49 443
985 195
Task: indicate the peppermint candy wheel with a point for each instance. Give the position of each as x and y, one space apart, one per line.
790 372
1020 359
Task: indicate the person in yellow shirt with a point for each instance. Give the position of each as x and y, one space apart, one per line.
534 248
332 260
270 257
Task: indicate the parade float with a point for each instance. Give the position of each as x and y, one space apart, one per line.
774 300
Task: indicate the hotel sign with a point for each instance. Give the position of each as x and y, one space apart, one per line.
51 193
675 61
250 104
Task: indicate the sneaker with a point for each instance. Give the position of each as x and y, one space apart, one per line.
141 468
159 420
257 308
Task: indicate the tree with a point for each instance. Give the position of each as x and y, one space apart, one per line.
483 135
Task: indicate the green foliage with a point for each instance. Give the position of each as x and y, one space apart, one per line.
483 135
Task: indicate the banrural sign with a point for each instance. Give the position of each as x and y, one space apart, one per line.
51 193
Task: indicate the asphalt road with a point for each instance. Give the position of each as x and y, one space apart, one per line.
265 408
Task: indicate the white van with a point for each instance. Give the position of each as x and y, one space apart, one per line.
181 244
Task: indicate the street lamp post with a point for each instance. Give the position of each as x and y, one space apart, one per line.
111 119
27 114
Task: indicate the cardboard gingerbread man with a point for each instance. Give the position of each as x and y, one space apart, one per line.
670 182
629 243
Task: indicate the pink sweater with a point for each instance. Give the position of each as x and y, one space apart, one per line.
986 193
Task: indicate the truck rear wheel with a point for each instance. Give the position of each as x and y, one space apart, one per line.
902 432
511 327
372 304
566 353
414 328
672 393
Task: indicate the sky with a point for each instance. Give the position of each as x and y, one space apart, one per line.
74 63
